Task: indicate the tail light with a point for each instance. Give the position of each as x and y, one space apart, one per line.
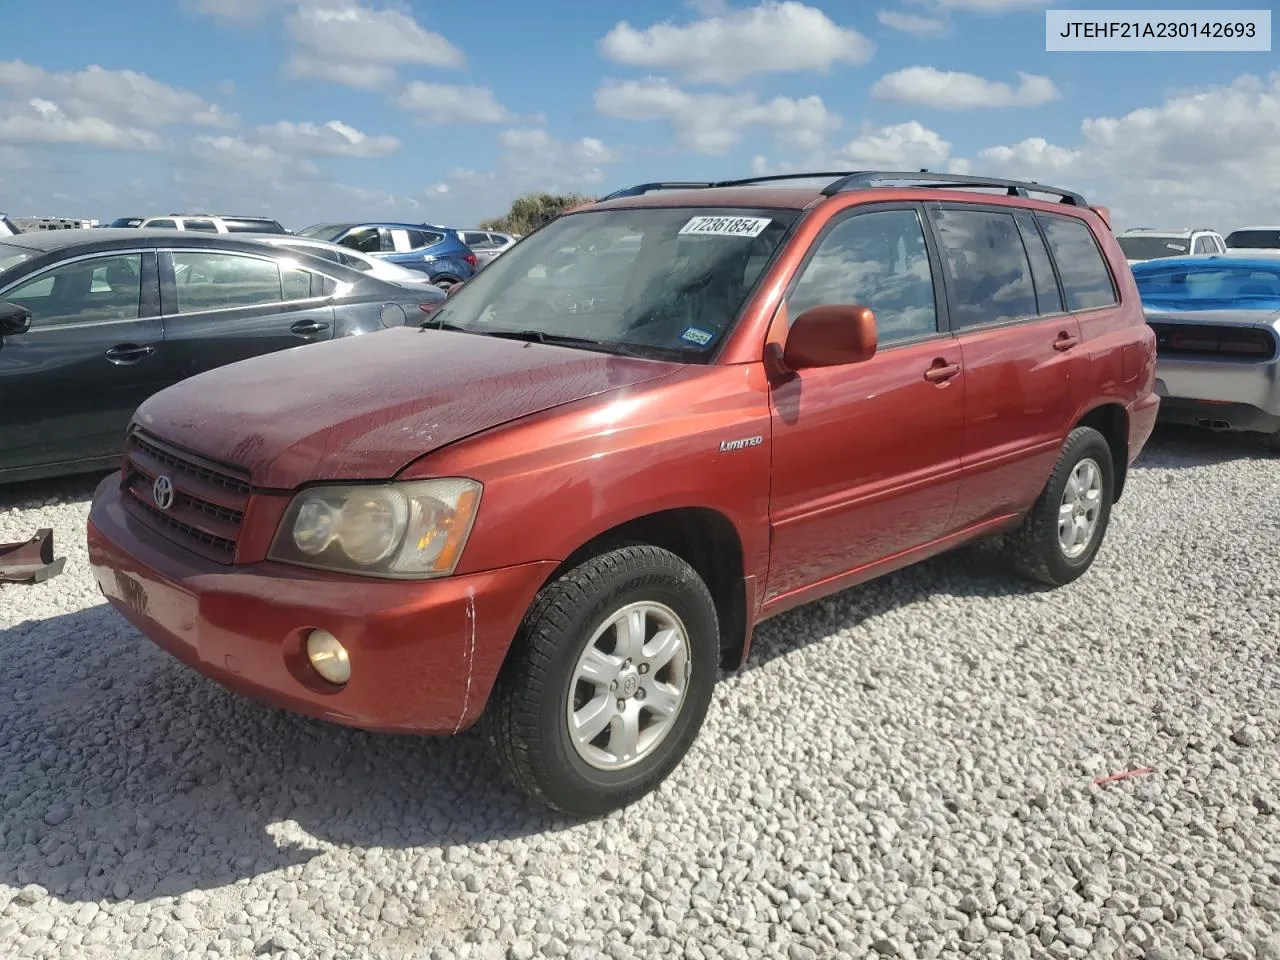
470 258
1253 343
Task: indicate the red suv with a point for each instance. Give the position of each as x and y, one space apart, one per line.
565 502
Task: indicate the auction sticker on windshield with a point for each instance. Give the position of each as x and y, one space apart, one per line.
726 226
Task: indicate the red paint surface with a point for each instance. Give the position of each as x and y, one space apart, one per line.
861 470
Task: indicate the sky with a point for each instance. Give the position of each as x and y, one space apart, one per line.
443 112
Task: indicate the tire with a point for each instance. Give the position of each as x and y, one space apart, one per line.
1035 550
444 283
530 723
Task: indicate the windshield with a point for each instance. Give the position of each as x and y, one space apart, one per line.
11 256
324 231
653 282
1207 284
126 222
1254 239
1153 248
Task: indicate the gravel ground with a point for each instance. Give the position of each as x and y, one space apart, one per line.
905 770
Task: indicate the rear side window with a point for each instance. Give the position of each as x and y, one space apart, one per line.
1086 281
477 241
1205 245
252 226
879 260
1048 296
365 239
211 281
987 266
163 225
204 226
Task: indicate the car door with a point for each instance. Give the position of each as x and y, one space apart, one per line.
1022 355
866 457
93 353
221 306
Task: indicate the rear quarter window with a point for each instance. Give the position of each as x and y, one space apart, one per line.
1086 278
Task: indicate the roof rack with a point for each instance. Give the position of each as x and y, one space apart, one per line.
844 180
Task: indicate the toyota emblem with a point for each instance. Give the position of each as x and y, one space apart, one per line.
162 492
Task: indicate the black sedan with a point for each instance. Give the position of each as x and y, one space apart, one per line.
92 322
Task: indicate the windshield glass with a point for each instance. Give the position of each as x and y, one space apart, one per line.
1254 239
1207 283
1153 248
324 231
656 282
126 222
11 256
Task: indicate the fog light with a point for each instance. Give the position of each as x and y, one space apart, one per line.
328 656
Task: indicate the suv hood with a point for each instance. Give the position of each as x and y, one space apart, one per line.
364 408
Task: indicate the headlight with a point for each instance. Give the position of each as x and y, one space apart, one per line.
400 530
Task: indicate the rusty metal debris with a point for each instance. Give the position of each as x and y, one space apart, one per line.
30 561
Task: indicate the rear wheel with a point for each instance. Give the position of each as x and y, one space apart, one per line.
1060 537
608 682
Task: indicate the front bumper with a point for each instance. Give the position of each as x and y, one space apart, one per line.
424 655
1255 385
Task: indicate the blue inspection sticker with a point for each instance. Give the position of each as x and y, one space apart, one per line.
697 335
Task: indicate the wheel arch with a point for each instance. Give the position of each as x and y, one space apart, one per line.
708 541
1112 421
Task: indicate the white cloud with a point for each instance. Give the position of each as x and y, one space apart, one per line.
42 121
992 6
115 96
234 12
245 155
713 123
334 138
1031 159
903 146
772 37
447 103
360 47
912 23
952 90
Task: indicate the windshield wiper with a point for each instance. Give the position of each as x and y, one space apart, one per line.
435 323
541 336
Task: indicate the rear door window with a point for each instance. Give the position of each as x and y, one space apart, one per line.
987 266
364 239
1048 296
212 281
1086 280
477 241
163 224
203 226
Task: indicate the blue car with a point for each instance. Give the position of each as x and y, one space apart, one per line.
436 251
1217 325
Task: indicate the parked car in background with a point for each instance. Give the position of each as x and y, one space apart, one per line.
1254 238
207 223
92 322
1148 243
7 227
436 251
486 244
1217 324
568 499
120 223
374 266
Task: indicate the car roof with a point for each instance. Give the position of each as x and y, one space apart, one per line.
50 241
1235 262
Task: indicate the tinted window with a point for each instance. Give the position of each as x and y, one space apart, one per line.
1253 239
355 263
477 241
366 240
1152 248
204 226
877 260
252 226
106 288
209 281
1085 277
987 266
1048 296
416 239
163 225
295 283
1204 245
328 253
12 256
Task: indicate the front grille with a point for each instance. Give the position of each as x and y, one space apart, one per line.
207 500
1251 344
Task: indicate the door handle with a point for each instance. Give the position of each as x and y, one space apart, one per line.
126 353
1065 342
304 327
941 371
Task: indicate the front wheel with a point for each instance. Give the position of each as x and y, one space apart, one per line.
608 681
1060 537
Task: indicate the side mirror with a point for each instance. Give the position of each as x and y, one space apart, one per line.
830 336
14 320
